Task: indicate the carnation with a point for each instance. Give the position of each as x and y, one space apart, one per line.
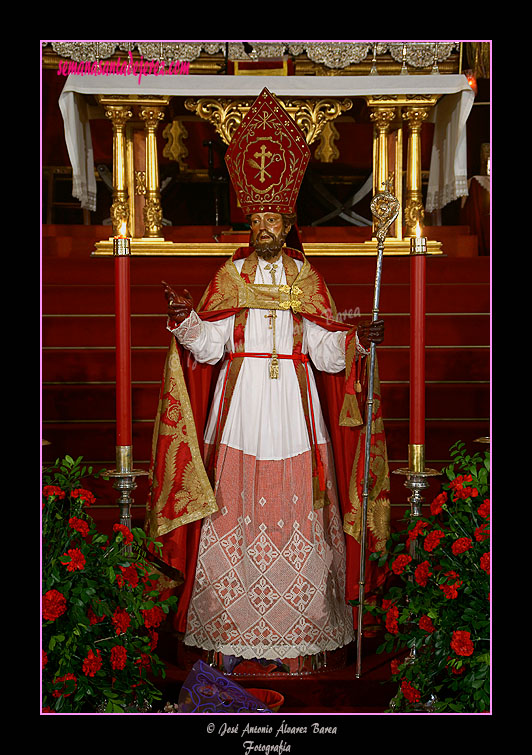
153 616
433 540
411 693
53 605
422 573
118 657
121 620
130 575
77 560
53 490
80 525
484 509
92 663
437 504
485 562
461 643
482 533
425 623
85 495
400 563
125 531
63 681
461 545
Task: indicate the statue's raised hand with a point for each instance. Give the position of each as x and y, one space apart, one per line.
178 307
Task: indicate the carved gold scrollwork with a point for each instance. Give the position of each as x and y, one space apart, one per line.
140 182
312 115
226 114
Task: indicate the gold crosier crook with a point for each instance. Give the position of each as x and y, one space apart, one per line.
385 208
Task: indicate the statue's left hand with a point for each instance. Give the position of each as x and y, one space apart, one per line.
370 332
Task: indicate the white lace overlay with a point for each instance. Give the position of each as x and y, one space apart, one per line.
270 577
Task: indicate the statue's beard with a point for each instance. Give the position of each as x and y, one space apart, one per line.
271 248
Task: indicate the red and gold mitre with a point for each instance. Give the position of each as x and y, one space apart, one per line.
267 158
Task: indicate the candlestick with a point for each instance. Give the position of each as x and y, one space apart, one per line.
416 473
418 251
122 252
124 473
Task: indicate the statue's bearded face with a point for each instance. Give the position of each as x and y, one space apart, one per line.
268 232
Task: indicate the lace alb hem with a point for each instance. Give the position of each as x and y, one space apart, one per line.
271 652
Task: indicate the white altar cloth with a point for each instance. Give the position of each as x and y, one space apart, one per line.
448 167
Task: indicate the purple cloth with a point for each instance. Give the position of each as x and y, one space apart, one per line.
206 690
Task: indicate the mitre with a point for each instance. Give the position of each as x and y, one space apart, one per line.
267 158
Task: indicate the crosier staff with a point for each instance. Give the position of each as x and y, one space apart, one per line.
385 208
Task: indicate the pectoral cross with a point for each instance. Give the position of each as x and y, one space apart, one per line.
263 154
272 315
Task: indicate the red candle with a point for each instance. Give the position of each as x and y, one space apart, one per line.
123 339
417 340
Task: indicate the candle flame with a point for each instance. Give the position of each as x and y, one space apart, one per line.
123 230
418 230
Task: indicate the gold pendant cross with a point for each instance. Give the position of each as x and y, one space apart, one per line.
272 315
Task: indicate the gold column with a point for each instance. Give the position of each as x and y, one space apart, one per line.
153 214
119 115
382 117
414 211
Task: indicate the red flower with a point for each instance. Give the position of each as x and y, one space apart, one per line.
391 619
144 661
454 670
85 495
461 643
437 503
94 618
411 693
44 658
484 509
400 563
461 545
485 562
416 531
425 623
80 525
153 616
53 605
121 620
126 532
77 560
450 589
118 657
433 540
422 573
394 665
129 575
154 639
482 532
92 663
68 682
53 490
461 490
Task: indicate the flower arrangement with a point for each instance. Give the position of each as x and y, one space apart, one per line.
100 611
435 609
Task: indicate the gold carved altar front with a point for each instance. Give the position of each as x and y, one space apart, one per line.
136 197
